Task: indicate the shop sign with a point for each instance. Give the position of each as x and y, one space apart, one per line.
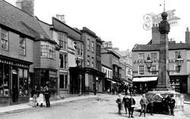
13 63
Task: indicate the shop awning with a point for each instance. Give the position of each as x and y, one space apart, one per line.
144 79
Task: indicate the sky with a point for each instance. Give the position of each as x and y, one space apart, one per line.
119 21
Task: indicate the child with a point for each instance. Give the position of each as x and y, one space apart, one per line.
119 103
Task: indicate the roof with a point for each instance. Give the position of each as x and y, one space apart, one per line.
156 47
62 27
110 51
90 32
19 21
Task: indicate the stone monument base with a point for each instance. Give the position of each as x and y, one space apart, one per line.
158 95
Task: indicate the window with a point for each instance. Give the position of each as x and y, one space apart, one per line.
4 80
61 85
92 43
141 55
47 50
141 69
63 61
88 44
153 56
92 64
177 53
88 63
4 39
22 46
63 81
154 70
23 82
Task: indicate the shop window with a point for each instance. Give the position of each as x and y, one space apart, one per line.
4 80
66 81
63 81
22 46
23 82
4 39
61 85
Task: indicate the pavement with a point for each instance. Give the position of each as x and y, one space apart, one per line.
12 108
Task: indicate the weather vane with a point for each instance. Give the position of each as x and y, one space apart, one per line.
164 6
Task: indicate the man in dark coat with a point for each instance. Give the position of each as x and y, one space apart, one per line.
171 104
126 103
131 106
47 96
119 103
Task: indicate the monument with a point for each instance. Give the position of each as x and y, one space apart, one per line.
163 75
163 88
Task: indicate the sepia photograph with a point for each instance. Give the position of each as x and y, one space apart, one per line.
94 59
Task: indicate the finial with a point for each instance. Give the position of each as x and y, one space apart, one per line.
164 6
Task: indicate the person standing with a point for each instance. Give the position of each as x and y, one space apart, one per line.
171 104
151 104
143 103
47 96
131 106
119 103
126 103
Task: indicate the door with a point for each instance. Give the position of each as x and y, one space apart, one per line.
14 86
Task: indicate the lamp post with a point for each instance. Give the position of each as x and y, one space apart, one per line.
148 63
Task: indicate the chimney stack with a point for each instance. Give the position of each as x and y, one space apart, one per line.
187 36
155 34
61 17
26 5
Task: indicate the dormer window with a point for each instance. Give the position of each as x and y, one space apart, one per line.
4 39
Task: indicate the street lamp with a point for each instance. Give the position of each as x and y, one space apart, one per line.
148 63
179 62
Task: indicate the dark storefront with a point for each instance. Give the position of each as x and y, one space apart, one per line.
179 83
14 81
94 83
45 77
77 82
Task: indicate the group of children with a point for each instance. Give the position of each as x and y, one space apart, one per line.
129 104
40 98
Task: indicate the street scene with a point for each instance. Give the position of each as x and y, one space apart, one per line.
94 60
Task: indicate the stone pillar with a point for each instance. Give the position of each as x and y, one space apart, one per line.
163 76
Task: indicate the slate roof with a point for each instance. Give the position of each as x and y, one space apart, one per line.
19 21
90 32
156 47
60 26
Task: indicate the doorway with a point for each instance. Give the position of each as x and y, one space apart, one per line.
14 86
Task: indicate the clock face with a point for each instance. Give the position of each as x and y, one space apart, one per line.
147 22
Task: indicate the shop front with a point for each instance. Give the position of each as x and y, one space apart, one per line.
14 81
45 76
179 83
144 84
